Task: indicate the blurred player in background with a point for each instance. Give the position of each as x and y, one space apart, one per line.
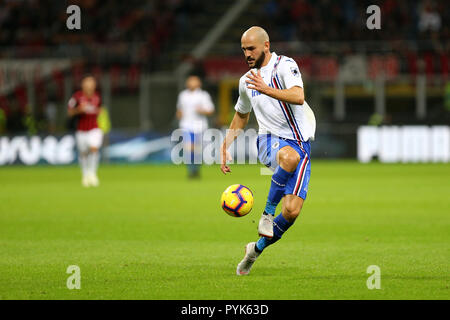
273 88
86 106
193 107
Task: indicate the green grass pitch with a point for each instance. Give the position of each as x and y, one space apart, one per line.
149 233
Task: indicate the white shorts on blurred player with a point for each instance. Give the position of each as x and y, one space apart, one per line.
89 139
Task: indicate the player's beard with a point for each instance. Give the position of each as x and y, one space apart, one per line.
259 61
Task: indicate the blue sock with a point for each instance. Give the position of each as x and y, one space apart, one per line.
280 226
193 165
192 157
193 168
277 187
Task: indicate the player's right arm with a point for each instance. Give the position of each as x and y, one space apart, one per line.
238 123
240 120
74 108
179 113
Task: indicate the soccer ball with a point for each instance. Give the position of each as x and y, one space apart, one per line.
237 200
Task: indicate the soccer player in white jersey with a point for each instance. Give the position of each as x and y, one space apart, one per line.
273 89
193 107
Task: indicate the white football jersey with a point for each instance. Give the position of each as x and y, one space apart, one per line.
282 119
188 103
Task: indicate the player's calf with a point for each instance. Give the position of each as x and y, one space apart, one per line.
292 205
92 161
280 226
288 160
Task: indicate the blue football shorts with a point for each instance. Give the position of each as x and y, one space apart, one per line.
191 137
192 149
268 146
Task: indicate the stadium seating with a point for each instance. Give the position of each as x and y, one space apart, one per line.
120 40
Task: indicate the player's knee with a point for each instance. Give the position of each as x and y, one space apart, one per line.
289 160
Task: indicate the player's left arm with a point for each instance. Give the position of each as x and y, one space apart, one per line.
100 105
204 112
179 112
293 95
207 107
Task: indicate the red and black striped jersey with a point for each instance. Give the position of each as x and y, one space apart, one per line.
88 119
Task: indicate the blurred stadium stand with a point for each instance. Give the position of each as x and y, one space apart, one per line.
353 75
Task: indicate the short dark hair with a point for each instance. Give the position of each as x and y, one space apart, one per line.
88 75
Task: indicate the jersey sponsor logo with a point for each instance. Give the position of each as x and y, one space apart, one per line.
256 93
90 108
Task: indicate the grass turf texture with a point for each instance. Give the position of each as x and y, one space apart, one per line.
149 233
